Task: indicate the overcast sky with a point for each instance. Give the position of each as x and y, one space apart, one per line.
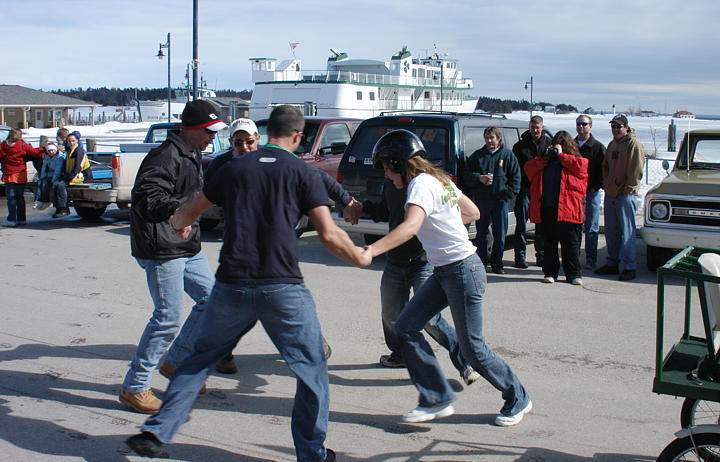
661 55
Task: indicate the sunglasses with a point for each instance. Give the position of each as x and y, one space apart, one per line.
248 142
581 124
615 126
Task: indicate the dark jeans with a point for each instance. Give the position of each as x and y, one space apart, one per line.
495 212
60 196
15 201
567 235
522 204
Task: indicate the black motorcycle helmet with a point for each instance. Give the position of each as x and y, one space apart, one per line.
396 148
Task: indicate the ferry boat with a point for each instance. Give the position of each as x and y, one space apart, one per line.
361 88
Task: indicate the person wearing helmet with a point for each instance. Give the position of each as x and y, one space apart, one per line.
436 211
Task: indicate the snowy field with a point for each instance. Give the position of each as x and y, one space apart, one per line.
652 132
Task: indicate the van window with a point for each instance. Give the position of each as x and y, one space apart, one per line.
435 140
511 137
474 139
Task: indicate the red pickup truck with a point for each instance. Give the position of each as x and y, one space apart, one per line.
323 143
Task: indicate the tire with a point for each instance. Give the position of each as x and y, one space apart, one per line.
657 256
90 213
699 412
707 444
370 239
206 224
302 225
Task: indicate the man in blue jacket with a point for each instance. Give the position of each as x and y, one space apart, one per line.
492 178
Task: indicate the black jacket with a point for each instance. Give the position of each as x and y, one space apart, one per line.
392 210
169 176
527 148
506 174
594 151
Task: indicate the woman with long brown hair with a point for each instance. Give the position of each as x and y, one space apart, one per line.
558 182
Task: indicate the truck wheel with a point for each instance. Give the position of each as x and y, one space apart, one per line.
302 225
90 213
206 224
657 256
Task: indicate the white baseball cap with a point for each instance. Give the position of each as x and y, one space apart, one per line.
245 125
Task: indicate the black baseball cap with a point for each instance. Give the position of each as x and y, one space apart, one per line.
620 119
201 114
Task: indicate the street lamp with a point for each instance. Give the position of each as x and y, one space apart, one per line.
531 93
160 56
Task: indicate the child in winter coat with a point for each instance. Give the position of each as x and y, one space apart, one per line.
52 170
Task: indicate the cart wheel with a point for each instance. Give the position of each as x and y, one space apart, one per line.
698 412
701 446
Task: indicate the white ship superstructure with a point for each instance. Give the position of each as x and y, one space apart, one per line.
361 88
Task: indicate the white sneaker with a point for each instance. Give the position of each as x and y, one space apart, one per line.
10 224
36 204
576 282
423 414
548 279
470 375
503 420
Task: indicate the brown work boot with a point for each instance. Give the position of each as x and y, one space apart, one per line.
167 370
226 365
144 402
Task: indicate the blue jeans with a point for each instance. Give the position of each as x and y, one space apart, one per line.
44 190
60 196
592 225
395 285
620 230
461 285
287 312
495 212
167 281
15 201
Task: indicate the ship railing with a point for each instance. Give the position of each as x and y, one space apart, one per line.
376 79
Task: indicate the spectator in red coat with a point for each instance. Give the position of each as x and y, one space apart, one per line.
558 182
14 154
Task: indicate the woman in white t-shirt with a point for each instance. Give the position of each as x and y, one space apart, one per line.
436 212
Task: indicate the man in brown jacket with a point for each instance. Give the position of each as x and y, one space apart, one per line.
622 171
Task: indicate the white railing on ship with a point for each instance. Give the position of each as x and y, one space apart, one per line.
380 79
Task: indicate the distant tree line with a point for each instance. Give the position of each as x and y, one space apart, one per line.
128 96
506 106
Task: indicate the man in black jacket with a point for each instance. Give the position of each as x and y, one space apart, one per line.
594 151
170 175
406 268
532 142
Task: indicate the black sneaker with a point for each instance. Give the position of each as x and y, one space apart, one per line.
604 270
329 455
627 275
521 264
497 269
391 361
147 445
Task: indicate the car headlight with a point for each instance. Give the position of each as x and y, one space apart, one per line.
660 211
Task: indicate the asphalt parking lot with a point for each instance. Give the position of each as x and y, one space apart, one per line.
74 303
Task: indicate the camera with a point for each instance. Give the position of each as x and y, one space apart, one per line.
551 153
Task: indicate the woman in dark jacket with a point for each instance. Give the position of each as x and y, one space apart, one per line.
14 154
558 182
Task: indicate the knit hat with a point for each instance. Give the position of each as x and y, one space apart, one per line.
51 147
245 125
76 134
201 114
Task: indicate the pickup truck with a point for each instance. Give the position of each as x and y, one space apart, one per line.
323 143
114 172
684 208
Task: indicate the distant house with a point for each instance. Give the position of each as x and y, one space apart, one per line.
23 107
647 114
684 115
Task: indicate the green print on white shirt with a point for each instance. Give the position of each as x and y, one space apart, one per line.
451 197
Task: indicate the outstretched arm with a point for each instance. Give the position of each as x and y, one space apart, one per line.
414 217
187 213
335 240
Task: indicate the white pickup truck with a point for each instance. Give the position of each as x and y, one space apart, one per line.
114 172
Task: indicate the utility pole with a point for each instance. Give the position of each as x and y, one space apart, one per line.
195 49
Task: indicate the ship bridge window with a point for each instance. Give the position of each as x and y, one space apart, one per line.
372 96
421 72
414 73
427 95
359 96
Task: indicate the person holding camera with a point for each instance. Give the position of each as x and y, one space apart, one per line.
558 183
492 178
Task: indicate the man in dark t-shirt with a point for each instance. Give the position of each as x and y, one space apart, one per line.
263 194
